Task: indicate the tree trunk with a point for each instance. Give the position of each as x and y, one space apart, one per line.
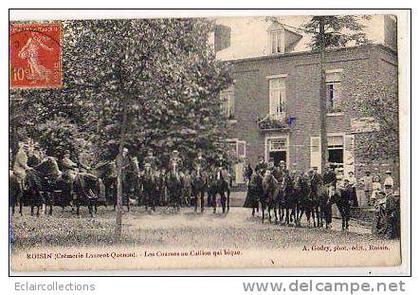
119 209
322 98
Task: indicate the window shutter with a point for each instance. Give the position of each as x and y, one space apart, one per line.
316 152
348 154
241 148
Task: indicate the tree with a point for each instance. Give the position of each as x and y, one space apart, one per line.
154 82
330 32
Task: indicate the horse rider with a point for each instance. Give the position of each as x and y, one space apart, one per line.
200 161
261 165
329 178
151 159
69 167
176 159
20 166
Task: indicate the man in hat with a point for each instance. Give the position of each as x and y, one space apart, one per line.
200 162
389 181
176 159
20 165
367 183
69 167
151 159
329 177
261 165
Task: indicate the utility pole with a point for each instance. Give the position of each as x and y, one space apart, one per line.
322 95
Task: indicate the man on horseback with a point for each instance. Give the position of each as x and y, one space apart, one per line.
261 165
21 163
151 159
18 176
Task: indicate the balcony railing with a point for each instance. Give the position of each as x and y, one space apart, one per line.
273 122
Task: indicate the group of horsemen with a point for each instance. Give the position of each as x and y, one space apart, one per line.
150 183
295 193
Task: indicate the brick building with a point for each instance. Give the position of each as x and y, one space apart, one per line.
273 106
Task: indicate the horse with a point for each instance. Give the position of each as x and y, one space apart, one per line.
268 199
198 184
15 192
254 192
87 189
342 198
289 198
42 185
221 186
149 190
174 185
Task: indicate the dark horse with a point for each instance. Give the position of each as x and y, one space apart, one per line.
149 183
87 189
15 192
198 184
268 199
174 185
221 187
42 185
342 198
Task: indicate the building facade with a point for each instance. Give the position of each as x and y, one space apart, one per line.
274 105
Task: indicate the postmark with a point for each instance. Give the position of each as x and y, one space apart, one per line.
35 55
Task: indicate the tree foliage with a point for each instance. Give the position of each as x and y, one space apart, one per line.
161 73
339 31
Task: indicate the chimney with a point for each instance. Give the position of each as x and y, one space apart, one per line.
221 37
390 31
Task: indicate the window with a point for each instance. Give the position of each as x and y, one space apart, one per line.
277 144
333 88
236 148
277 93
336 151
276 41
228 100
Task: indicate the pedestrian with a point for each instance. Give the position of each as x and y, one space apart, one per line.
376 190
393 215
352 188
367 184
389 181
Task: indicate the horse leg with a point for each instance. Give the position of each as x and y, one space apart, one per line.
276 218
32 210
202 201
253 211
223 201
195 201
228 199
37 211
263 212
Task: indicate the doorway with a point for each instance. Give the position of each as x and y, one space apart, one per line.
278 156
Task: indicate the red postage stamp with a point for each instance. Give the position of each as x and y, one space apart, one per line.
35 56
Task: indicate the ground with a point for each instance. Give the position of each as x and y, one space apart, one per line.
236 229
166 239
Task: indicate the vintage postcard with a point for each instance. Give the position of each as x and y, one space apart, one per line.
267 140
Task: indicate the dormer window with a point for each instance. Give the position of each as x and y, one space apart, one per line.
276 38
276 41
281 39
